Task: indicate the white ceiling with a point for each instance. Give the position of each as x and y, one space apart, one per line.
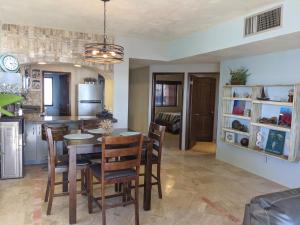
153 19
281 43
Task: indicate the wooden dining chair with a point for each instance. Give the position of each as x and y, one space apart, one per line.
59 166
121 157
84 126
89 124
156 134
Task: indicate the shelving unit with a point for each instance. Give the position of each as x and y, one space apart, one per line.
236 131
288 104
273 127
258 108
237 116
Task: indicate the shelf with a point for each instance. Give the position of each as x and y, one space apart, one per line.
290 104
262 152
271 126
237 116
230 86
236 98
237 131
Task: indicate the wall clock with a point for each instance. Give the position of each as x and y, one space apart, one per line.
9 63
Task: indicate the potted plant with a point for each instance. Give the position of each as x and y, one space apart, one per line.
239 76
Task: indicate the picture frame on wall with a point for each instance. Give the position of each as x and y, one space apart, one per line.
230 137
35 80
35 85
36 75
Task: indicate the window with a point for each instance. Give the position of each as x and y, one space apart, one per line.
166 93
48 91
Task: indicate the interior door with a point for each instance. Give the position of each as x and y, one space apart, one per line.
64 105
202 105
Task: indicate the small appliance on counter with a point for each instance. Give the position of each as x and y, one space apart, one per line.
89 99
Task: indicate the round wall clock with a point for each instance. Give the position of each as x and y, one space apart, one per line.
9 63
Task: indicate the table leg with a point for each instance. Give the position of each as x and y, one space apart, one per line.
73 185
148 178
65 174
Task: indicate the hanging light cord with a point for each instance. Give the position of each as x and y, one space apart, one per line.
105 37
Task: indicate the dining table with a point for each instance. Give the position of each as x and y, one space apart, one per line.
76 147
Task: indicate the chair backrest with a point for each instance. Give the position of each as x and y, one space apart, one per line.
89 124
58 131
51 148
157 134
121 153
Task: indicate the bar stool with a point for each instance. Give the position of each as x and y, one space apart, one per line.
59 165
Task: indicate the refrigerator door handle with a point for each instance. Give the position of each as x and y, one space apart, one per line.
91 101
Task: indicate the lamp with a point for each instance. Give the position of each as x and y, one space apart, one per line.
104 53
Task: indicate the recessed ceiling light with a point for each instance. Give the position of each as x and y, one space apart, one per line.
77 65
42 63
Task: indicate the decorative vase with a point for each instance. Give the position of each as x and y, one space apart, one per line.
245 142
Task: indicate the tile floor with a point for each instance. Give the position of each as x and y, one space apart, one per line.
197 190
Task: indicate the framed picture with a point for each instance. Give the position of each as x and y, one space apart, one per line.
36 75
275 143
229 137
239 107
35 85
285 116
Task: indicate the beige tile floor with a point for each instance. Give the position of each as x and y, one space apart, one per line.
197 190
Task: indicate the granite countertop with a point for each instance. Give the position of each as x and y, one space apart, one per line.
35 118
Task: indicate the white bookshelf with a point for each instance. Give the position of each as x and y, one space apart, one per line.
257 108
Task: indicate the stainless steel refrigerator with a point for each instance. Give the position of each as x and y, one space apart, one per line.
89 99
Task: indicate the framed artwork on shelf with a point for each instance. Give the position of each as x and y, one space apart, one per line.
275 142
239 107
229 137
285 116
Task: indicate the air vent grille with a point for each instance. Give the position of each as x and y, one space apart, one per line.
263 21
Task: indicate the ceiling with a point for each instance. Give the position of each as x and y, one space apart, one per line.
281 43
152 19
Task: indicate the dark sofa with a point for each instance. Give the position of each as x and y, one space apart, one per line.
171 120
280 208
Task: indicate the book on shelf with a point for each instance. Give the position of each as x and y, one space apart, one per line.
275 142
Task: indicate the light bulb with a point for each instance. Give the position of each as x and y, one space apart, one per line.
113 53
95 52
105 55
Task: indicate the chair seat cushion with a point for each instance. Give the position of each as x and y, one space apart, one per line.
96 171
64 161
93 157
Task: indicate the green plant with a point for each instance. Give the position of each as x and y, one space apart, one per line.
239 76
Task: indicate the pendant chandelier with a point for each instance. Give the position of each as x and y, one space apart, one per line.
104 53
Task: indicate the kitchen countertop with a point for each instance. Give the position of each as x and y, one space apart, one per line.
35 118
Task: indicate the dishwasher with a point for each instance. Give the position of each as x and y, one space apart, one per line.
11 147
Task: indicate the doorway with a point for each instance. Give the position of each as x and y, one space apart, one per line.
201 112
167 105
56 93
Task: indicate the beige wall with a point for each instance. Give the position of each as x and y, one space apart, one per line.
77 76
138 99
172 77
